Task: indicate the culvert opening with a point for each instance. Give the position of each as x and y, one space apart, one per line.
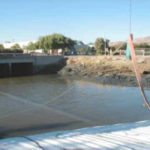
4 70
22 69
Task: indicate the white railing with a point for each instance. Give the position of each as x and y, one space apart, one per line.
143 52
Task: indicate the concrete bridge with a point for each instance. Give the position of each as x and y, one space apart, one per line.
24 64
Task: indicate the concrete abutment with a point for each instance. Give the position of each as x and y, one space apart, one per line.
23 66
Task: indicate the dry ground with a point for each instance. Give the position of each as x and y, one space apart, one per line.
111 65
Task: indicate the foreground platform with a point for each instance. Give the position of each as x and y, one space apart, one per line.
122 136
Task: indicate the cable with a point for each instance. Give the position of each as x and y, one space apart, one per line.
62 94
54 99
44 106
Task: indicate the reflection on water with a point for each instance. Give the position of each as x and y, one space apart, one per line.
95 102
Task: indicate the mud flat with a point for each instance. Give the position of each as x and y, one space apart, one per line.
114 70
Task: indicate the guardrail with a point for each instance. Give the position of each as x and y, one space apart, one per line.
138 52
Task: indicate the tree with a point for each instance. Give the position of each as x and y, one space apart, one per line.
52 42
99 45
81 51
16 46
107 43
93 50
55 41
112 48
142 45
123 46
119 46
1 47
66 51
32 46
88 50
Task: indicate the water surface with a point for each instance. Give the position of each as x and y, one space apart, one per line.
37 104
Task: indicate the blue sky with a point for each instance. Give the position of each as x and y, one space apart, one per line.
85 20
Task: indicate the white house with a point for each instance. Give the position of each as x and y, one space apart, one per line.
91 45
78 45
38 51
22 44
55 52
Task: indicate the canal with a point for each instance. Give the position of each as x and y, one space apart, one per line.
45 103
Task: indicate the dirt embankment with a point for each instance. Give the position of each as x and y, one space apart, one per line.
107 69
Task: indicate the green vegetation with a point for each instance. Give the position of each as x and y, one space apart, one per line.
122 46
101 45
142 45
14 49
11 51
119 46
32 46
52 42
1 47
16 46
81 51
68 46
88 50
66 50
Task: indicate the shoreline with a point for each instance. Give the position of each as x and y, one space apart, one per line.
123 81
106 70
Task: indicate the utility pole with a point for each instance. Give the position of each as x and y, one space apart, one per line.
104 44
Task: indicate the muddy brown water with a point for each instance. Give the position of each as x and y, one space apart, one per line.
40 104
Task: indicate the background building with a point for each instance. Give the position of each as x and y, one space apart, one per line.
22 44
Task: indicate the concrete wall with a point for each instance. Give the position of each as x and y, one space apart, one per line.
16 59
40 64
46 63
46 60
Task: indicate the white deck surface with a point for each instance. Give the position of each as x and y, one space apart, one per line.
134 136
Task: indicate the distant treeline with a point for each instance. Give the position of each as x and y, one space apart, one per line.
142 45
14 49
52 42
67 45
11 51
123 45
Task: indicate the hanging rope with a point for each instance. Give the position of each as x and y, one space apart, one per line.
133 56
138 76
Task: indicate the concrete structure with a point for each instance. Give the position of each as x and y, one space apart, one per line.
20 64
116 137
